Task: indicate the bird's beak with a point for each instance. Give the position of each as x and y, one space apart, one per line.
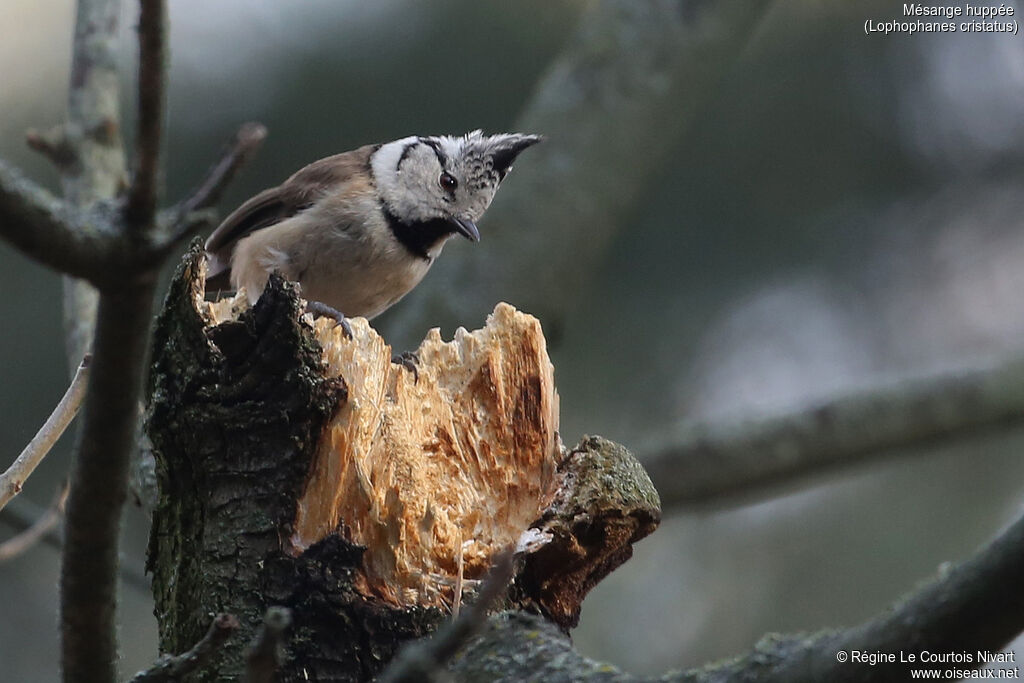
466 228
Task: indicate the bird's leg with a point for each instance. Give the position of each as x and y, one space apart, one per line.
324 311
408 360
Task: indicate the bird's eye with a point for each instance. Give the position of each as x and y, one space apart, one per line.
447 182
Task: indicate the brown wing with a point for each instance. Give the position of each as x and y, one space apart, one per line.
279 203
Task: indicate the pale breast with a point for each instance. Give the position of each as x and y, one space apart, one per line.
360 270
341 252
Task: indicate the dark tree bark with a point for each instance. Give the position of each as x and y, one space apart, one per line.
234 427
236 414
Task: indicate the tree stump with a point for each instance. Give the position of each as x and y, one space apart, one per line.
301 468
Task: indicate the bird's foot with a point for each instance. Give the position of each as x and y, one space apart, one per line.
408 360
324 311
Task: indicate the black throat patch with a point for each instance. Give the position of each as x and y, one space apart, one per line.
420 236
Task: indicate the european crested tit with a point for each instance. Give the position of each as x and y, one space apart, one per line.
360 229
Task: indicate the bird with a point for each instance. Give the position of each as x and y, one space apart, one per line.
359 230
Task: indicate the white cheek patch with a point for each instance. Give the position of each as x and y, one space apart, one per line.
385 159
401 189
386 175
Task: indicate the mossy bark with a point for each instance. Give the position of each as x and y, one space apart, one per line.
236 412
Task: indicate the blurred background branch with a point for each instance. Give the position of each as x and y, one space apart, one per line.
44 228
37 530
613 106
236 153
120 332
91 138
150 94
972 607
840 213
22 514
120 251
719 462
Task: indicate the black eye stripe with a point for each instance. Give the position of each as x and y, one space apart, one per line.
405 153
435 145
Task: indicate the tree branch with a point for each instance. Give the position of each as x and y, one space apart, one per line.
190 215
52 144
119 251
519 646
98 479
22 514
99 484
21 469
266 653
141 207
426 660
170 668
976 605
697 463
43 228
38 530
93 134
613 106
236 153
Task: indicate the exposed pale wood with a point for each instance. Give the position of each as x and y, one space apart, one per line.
413 466
347 487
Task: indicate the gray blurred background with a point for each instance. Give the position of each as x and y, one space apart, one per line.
844 211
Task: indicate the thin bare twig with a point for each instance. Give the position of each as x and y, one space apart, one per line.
175 227
243 146
14 478
141 207
22 513
46 522
191 215
425 660
705 463
170 668
267 651
45 229
52 144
